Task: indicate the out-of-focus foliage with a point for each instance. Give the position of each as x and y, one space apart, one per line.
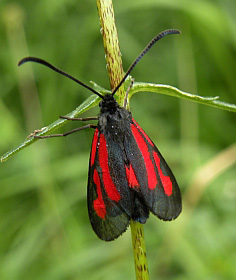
44 227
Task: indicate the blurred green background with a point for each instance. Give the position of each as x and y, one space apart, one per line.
44 227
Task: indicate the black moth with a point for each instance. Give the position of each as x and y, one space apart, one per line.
128 177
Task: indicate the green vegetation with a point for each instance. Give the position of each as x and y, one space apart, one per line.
44 227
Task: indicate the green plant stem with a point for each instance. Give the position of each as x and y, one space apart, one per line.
111 46
116 73
139 250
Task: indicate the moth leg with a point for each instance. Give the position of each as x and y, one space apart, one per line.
66 133
127 92
80 119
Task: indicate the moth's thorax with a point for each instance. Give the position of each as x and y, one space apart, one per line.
113 119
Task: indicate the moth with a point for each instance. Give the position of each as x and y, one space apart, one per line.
128 177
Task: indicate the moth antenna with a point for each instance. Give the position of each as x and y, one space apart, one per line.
148 47
45 63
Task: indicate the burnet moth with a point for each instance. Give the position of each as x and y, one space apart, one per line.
128 177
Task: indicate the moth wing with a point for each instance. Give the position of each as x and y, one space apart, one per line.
157 183
109 202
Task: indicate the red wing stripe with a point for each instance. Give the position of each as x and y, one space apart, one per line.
132 180
166 181
109 185
98 204
151 174
144 134
94 147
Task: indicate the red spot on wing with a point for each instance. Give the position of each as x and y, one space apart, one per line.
142 131
94 147
109 185
143 147
98 204
132 180
166 181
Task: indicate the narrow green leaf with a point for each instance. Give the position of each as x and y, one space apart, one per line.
89 103
172 91
93 100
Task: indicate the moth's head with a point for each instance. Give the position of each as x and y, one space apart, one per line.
108 104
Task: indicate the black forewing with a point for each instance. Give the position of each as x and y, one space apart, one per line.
165 206
118 213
